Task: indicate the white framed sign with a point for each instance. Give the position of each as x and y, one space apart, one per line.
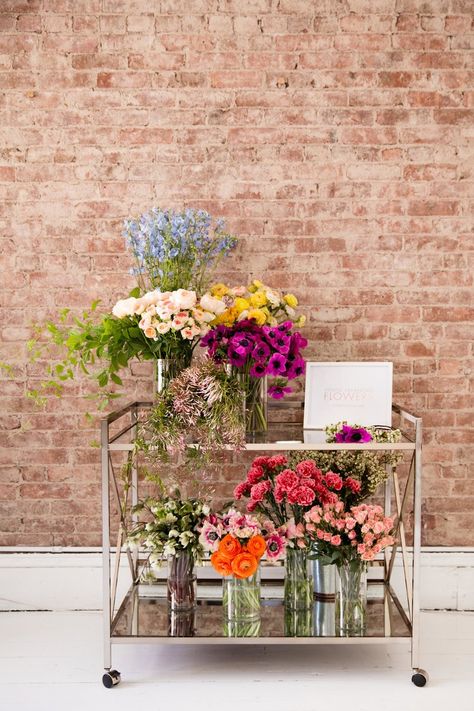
360 393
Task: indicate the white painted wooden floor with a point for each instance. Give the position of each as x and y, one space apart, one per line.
52 660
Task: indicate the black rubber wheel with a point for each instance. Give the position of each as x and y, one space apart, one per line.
111 679
420 678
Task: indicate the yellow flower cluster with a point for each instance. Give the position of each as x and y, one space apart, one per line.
256 302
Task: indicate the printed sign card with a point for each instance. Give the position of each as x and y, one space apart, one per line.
360 393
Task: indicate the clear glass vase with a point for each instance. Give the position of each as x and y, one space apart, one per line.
299 623
255 403
298 593
351 598
182 623
165 369
182 589
241 605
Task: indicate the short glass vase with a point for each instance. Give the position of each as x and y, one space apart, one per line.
241 605
298 591
182 587
351 598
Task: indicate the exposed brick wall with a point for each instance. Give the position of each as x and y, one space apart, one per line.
336 137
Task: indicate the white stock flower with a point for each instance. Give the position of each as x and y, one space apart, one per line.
210 303
124 307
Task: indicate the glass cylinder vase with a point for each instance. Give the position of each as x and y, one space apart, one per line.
255 403
165 369
181 582
241 605
351 598
298 593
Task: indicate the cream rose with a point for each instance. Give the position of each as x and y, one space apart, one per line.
150 332
183 299
124 307
163 327
210 303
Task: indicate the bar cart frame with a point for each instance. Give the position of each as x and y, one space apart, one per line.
124 423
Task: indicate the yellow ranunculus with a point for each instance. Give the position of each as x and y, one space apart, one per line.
258 299
241 304
219 290
254 286
257 316
291 300
300 322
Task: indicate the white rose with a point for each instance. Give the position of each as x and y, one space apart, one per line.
210 303
183 299
124 307
150 332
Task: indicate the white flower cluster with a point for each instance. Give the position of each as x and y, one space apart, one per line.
162 312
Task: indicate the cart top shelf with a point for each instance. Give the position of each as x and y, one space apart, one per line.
280 436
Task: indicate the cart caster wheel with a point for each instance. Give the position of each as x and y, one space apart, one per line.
420 677
111 678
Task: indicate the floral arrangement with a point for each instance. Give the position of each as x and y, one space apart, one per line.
237 542
176 253
171 321
369 468
196 416
172 528
284 494
361 532
256 302
174 249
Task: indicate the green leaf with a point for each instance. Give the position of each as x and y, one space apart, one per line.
134 292
116 379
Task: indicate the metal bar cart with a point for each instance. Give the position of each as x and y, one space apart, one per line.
136 613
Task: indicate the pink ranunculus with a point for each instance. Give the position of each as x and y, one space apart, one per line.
320 534
333 480
361 548
369 539
336 540
350 523
287 480
301 495
368 555
300 543
254 475
259 491
311 527
327 536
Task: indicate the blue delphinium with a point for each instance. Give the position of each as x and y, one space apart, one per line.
176 249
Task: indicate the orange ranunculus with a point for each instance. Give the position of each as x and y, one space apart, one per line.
229 546
244 565
221 564
257 546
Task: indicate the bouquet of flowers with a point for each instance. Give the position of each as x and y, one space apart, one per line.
347 535
172 527
284 494
369 469
201 407
238 541
175 249
256 302
172 531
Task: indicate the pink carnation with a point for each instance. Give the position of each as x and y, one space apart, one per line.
260 462
286 480
333 480
252 505
254 475
278 494
240 490
279 460
353 485
308 468
301 495
258 491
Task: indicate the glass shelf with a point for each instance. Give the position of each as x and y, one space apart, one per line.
147 617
